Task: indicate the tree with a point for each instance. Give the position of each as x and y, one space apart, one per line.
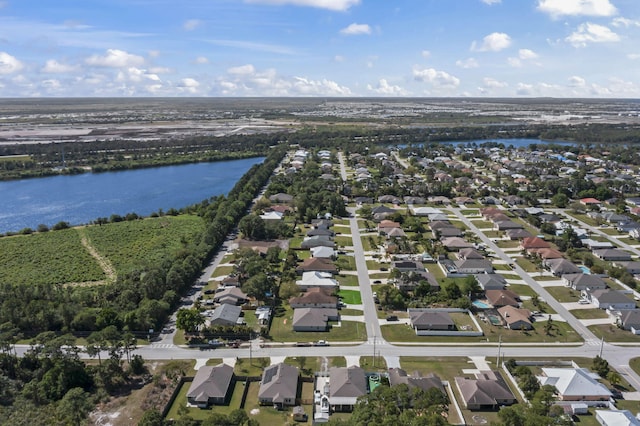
560 200
189 320
252 227
614 378
600 366
151 417
74 407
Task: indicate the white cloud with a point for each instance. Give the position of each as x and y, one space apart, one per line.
577 81
337 5
339 58
467 63
384 88
526 54
160 70
514 62
247 69
201 60
305 87
494 42
440 79
624 22
592 33
189 85
425 54
115 58
557 8
54 67
191 24
633 56
524 89
491 2
492 83
9 64
356 29
135 75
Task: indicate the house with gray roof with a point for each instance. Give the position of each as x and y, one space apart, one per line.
346 384
609 299
612 255
491 281
560 267
211 385
431 320
473 266
226 315
616 418
279 385
313 319
398 376
584 281
230 296
629 320
487 391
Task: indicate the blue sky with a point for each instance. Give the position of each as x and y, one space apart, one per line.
478 48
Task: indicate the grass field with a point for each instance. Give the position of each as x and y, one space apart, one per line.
346 331
350 297
127 244
55 257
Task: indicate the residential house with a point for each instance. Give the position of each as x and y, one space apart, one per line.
487 391
448 232
313 279
533 243
211 385
609 299
313 319
346 384
407 265
515 318
581 281
231 296
546 253
272 216
560 267
226 315
320 231
431 320
398 376
317 241
575 384
324 252
517 234
632 267
616 418
279 385
316 264
612 255
473 266
315 298
469 253
629 320
504 225
408 281
281 198
491 281
424 211
500 298
455 243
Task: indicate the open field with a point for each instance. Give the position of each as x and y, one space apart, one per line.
55 257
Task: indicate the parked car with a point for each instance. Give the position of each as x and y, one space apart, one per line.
392 318
321 343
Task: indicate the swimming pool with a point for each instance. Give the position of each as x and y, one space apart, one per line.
480 304
584 269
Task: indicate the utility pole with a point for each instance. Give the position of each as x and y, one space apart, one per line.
374 350
601 346
499 345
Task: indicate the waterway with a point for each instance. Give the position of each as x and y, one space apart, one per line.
79 199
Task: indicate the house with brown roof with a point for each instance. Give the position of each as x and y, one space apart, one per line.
469 253
317 264
315 298
546 253
211 385
515 318
279 385
487 391
346 384
500 298
455 243
533 243
231 296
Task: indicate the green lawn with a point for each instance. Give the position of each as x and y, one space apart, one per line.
612 333
522 289
348 280
310 365
222 271
563 294
282 331
202 414
634 363
350 297
589 313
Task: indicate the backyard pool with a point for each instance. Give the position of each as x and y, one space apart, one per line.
480 304
584 269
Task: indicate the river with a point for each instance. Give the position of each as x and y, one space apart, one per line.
79 199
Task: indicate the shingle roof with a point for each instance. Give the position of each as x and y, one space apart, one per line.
210 382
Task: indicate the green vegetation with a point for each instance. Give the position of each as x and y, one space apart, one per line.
350 297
